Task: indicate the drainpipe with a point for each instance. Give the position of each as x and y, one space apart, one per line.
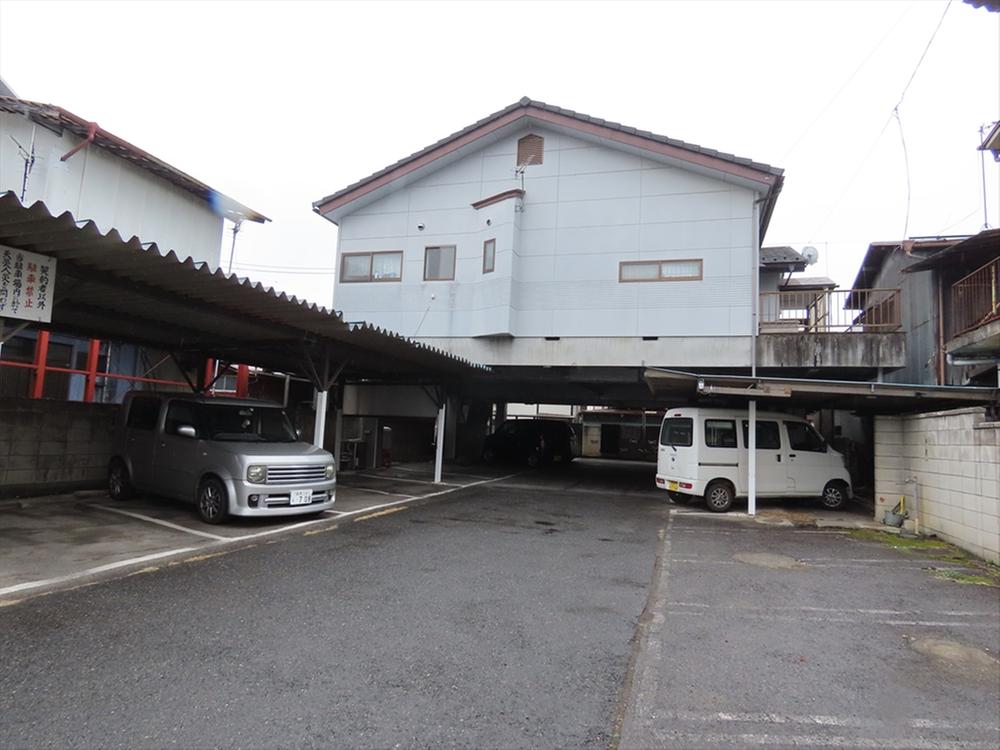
940 331
755 323
91 134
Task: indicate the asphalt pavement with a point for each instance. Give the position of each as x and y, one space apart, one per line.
567 608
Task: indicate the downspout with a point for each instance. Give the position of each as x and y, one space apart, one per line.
91 134
940 330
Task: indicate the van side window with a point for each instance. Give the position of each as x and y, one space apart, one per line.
802 437
677 431
720 433
142 413
768 437
181 413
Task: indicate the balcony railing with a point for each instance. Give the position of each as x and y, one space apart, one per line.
830 311
975 300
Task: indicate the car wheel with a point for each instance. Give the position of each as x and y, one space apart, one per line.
719 496
119 482
489 455
212 501
835 495
679 497
533 460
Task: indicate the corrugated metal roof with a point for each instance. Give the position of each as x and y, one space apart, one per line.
810 282
109 287
58 119
525 103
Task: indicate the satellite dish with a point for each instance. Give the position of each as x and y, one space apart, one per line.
811 254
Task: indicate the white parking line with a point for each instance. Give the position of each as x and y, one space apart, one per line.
378 492
219 541
449 473
407 479
822 720
91 571
161 522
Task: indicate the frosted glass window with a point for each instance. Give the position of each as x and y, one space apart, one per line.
489 256
356 267
640 271
439 263
680 269
660 270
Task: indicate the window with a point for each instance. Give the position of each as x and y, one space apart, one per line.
181 413
720 433
660 270
380 266
143 412
802 437
530 150
489 256
677 431
768 437
439 263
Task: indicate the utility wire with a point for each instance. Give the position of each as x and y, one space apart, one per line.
906 164
843 87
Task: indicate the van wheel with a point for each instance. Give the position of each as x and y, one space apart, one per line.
679 497
533 460
835 495
212 501
489 455
719 496
119 482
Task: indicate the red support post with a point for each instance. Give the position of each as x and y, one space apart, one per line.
209 373
41 357
243 381
93 355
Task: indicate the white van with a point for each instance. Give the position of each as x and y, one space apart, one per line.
703 454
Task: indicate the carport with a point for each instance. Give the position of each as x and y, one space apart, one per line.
107 287
675 388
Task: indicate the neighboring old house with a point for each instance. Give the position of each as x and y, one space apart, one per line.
51 155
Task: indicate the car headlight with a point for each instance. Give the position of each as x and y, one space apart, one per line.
330 468
256 474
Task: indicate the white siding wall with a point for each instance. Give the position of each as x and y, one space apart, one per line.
587 208
955 458
93 184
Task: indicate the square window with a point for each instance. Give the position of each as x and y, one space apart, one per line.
387 266
489 256
439 263
356 267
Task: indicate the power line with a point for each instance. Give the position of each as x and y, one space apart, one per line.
923 54
843 87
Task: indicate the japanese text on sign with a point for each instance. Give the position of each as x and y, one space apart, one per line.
26 284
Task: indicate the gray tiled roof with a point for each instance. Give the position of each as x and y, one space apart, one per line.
783 255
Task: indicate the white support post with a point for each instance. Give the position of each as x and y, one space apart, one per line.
338 436
752 460
439 448
319 426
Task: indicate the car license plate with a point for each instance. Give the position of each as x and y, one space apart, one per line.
670 486
301 497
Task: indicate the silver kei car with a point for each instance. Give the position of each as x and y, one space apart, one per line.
228 456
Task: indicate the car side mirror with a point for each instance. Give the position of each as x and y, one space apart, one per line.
187 430
298 432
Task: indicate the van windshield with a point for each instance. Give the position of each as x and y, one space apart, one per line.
677 431
252 424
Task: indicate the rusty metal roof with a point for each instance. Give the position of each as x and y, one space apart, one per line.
110 287
58 120
782 256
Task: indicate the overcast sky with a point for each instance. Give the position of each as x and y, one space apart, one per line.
279 104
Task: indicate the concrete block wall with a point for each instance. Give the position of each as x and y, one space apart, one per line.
949 463
53 446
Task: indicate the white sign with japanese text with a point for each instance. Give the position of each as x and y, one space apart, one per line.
27 281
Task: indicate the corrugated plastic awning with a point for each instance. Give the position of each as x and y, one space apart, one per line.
677 387
108 287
